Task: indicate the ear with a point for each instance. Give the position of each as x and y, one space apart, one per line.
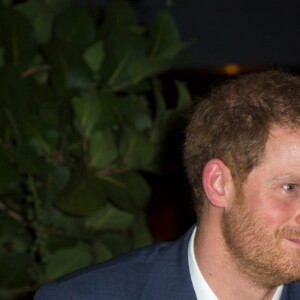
217 181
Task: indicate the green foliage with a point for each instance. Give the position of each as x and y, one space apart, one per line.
83 117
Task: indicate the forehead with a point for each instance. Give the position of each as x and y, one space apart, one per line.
283 145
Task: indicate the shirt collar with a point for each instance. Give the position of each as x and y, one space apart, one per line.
201 287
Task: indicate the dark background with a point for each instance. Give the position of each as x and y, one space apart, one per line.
233 31
225 38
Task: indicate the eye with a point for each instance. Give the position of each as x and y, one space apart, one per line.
290 187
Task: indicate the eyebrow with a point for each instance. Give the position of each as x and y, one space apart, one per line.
284 179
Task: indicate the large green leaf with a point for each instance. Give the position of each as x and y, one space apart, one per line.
95 108
101 251
149 66
75 26
117 241
129 191
164 36
6 2
137 150
67 260
163 115
184 100
103 149
58 222
166 119
17 36
110 218
49 114
68 68
121 48
140 232
94 56
42 14
57 179
133 111
83 195
41 138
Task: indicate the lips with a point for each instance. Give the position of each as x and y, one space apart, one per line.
295 241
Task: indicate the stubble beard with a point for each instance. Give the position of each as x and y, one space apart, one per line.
258 253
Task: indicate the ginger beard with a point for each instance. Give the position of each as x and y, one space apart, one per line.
264 256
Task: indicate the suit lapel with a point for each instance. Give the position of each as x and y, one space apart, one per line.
170 277
291 291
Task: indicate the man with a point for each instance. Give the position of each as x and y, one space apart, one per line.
242 155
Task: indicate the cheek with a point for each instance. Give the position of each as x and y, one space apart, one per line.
276 213
268 208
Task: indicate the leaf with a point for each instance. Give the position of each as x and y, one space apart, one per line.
29 163
119 13
129 191
57 180
117 242
87 108
133 110
6 2
67 260
61 222
69 70
184 97
40 137
103 149
83 195
164 35
160 102
17 36
42 15
95 108
140 232
163 115
137 150
13 275
102 252
109 218
121 48
75 26
55 242
94 56
146 67
49 114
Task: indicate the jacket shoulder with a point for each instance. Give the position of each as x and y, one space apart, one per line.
122 277
291 291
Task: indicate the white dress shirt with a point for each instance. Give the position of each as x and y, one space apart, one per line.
201 287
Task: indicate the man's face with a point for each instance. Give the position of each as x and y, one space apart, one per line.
262 227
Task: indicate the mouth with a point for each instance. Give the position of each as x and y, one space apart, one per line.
294 241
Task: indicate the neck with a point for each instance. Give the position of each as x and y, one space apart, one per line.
219 267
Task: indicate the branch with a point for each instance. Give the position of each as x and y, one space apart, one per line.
35 70
12 213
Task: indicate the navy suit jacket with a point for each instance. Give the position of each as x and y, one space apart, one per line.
158 272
